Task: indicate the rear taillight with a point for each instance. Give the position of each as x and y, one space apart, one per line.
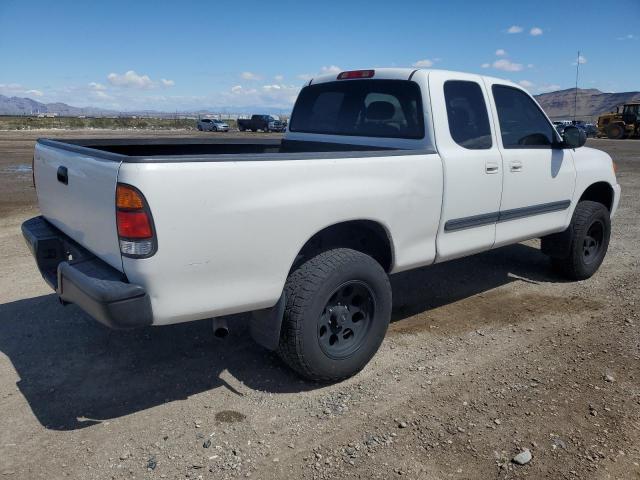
135 223
356 74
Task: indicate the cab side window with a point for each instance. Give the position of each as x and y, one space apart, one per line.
522 123
467 114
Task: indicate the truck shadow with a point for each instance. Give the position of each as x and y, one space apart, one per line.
75 373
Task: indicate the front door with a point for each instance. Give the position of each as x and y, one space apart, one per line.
539 177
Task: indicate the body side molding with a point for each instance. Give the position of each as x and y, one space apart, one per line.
505 216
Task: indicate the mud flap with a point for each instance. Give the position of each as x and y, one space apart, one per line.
265 325
557 245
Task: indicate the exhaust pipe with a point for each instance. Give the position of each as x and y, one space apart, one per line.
220 328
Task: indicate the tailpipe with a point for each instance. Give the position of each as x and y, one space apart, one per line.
220 328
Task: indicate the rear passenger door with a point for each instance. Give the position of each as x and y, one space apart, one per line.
465 140
539 176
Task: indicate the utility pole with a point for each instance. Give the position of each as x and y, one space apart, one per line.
575 97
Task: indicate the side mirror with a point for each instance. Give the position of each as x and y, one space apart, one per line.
574 137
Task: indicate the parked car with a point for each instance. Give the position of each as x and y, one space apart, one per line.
559 126
212 125
381 171
266 123
590 129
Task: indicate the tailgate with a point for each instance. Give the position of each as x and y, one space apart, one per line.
76 193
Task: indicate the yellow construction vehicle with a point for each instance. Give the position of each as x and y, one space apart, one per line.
621 125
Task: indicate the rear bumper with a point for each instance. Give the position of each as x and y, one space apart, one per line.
79 277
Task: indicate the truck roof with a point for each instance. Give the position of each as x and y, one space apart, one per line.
402 74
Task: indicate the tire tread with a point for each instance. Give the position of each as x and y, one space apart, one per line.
300 290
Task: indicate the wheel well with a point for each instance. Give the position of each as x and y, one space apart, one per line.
600 192
366 236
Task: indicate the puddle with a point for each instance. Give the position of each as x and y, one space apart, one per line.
230 416
492 308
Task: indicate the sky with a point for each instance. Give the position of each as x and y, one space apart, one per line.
190 55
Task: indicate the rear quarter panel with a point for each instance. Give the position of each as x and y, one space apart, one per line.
228 232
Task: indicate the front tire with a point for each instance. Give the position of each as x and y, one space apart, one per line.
587 241
338 307
615 131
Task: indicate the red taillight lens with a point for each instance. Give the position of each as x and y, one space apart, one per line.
133 225
356 74
134 222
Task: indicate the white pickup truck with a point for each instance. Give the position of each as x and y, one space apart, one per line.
380 171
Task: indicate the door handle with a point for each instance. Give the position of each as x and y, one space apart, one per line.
491 167
516 166
63 175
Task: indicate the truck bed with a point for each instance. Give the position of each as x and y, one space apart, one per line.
167 149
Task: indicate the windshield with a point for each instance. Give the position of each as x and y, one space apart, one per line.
367 108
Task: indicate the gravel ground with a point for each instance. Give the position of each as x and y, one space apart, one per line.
487 358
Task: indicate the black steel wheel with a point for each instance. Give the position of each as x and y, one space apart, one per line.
346 319
337 310
593 242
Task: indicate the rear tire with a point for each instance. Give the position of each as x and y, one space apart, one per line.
615 131
338 307
587 241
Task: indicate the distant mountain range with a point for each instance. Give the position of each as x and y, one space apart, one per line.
591 103
28 106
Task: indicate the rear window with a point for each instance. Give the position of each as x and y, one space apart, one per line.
366 108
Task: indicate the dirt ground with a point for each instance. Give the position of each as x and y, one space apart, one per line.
486 356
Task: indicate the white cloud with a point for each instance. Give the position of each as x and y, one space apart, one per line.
514 29
130 79
96 86
485 65
501 52
425 63
529 65
580 60
330 69
526 84
536 31
279 78
18 90
250 76
167 83
325 70
551 87
278 95
629 36
507 66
